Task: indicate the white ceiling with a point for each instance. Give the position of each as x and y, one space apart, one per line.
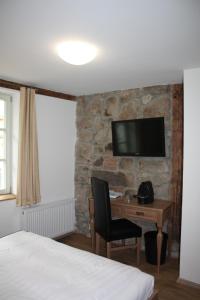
140 42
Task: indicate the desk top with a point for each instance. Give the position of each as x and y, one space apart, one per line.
156 204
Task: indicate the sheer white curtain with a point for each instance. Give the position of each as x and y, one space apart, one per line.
28 183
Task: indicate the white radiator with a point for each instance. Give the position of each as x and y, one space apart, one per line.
51 219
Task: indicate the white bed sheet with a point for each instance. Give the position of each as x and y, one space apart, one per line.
37 268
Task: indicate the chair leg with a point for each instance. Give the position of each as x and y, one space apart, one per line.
97 243
108 249
138 240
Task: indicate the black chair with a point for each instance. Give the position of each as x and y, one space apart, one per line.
111 230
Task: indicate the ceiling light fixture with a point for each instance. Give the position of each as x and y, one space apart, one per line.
76 52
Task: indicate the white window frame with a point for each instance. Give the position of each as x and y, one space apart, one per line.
8 99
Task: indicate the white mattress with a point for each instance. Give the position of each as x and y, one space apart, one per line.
37 268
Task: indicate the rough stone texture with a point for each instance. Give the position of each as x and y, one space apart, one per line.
115 179
111 106
158 107
94 145
129 111
98 162
127 164
110 163
108 147
85 135
83 152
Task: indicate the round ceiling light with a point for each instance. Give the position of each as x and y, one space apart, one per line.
76 53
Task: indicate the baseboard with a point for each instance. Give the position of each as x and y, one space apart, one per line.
188 283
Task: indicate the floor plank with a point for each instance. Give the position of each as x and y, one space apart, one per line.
166 283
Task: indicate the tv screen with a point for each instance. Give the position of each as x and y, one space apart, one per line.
139 137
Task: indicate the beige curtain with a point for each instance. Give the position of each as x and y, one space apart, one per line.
28 184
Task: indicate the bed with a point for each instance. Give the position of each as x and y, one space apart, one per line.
33 267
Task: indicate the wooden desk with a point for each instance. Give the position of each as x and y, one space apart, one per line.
158 212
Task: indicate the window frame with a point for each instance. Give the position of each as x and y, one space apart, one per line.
8 124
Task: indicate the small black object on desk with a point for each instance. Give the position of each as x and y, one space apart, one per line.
145 193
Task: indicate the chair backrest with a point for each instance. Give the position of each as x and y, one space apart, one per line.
102 210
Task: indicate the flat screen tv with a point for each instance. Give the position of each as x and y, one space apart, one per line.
139 137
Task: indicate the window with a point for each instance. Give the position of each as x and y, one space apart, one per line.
5 143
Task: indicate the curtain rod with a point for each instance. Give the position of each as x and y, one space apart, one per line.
40 91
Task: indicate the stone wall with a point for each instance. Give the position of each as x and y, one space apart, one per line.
94 145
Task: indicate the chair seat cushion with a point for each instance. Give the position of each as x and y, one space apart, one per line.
124 229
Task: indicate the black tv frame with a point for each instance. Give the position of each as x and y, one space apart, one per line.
114 144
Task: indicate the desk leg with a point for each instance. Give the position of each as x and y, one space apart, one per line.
159 245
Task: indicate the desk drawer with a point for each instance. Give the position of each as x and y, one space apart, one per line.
141 214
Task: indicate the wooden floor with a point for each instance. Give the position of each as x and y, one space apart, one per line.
165 283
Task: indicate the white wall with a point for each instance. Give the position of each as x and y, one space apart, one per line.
10 220
190 241
56 142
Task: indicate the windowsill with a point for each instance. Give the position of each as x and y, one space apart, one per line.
7 197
